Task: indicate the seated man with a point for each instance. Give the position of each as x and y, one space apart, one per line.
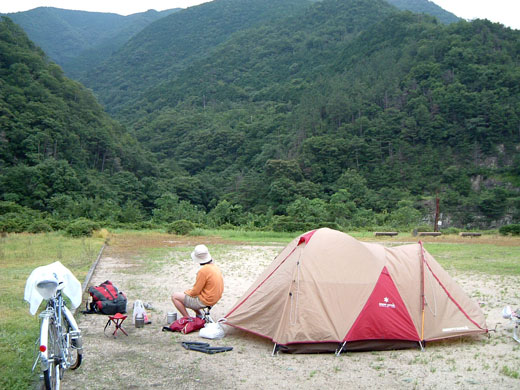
208 286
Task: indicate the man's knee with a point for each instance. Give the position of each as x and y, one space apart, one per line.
178 296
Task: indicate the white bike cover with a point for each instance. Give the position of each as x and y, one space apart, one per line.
52 272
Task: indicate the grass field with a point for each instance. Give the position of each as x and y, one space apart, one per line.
21 253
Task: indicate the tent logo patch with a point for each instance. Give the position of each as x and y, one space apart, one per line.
457 329
386 303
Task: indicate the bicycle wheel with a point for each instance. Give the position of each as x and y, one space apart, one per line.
73 356
51 376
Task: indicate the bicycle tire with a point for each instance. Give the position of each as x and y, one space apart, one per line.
51 376
72 351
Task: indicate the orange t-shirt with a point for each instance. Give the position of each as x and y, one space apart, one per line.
208 286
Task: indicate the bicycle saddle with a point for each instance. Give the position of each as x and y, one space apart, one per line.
47 287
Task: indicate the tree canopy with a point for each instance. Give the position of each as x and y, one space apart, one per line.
349 113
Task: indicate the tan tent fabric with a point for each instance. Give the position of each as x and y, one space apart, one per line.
449 311
322 286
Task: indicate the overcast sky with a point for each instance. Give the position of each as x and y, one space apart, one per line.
506 12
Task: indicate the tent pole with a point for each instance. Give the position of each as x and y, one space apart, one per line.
422 346
341 349
422 291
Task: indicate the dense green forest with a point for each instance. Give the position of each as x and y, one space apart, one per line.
425 7
79 40
346 113
57 145
152 56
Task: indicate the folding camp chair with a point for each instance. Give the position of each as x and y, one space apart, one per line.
206 314
118 320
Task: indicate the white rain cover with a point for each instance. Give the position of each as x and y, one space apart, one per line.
55 271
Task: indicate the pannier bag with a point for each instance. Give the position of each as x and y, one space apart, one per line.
106 299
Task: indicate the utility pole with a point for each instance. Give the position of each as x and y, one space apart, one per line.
436 227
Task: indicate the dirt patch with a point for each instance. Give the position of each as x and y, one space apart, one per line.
149 358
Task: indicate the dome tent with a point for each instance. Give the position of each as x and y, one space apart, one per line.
327 291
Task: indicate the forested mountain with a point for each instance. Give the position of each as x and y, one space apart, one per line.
425 7
153 56
309 107
56 142
172 43
348 113
79 40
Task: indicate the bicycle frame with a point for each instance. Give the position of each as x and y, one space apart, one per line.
59 351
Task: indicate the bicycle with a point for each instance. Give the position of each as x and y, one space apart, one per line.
60 343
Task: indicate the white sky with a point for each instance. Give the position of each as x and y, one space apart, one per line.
506 12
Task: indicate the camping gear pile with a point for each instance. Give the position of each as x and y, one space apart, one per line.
327 291
106 299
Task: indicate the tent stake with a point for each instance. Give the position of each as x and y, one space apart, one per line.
274 350
341 349
422 347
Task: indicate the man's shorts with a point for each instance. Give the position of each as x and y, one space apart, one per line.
193 303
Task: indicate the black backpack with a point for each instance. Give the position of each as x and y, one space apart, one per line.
106 299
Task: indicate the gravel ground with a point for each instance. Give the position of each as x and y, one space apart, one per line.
150 358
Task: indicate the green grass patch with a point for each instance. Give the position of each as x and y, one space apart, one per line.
484 258
510 372
20 254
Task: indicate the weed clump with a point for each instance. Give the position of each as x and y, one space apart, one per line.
181 227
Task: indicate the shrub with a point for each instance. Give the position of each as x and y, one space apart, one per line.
450 230
148 225
81 227
424 228
11 207
330 225
39 226
57 224
227 226
180 227
287 224
14 223
513 229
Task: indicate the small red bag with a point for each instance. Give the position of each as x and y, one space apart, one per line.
187 324
193 324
